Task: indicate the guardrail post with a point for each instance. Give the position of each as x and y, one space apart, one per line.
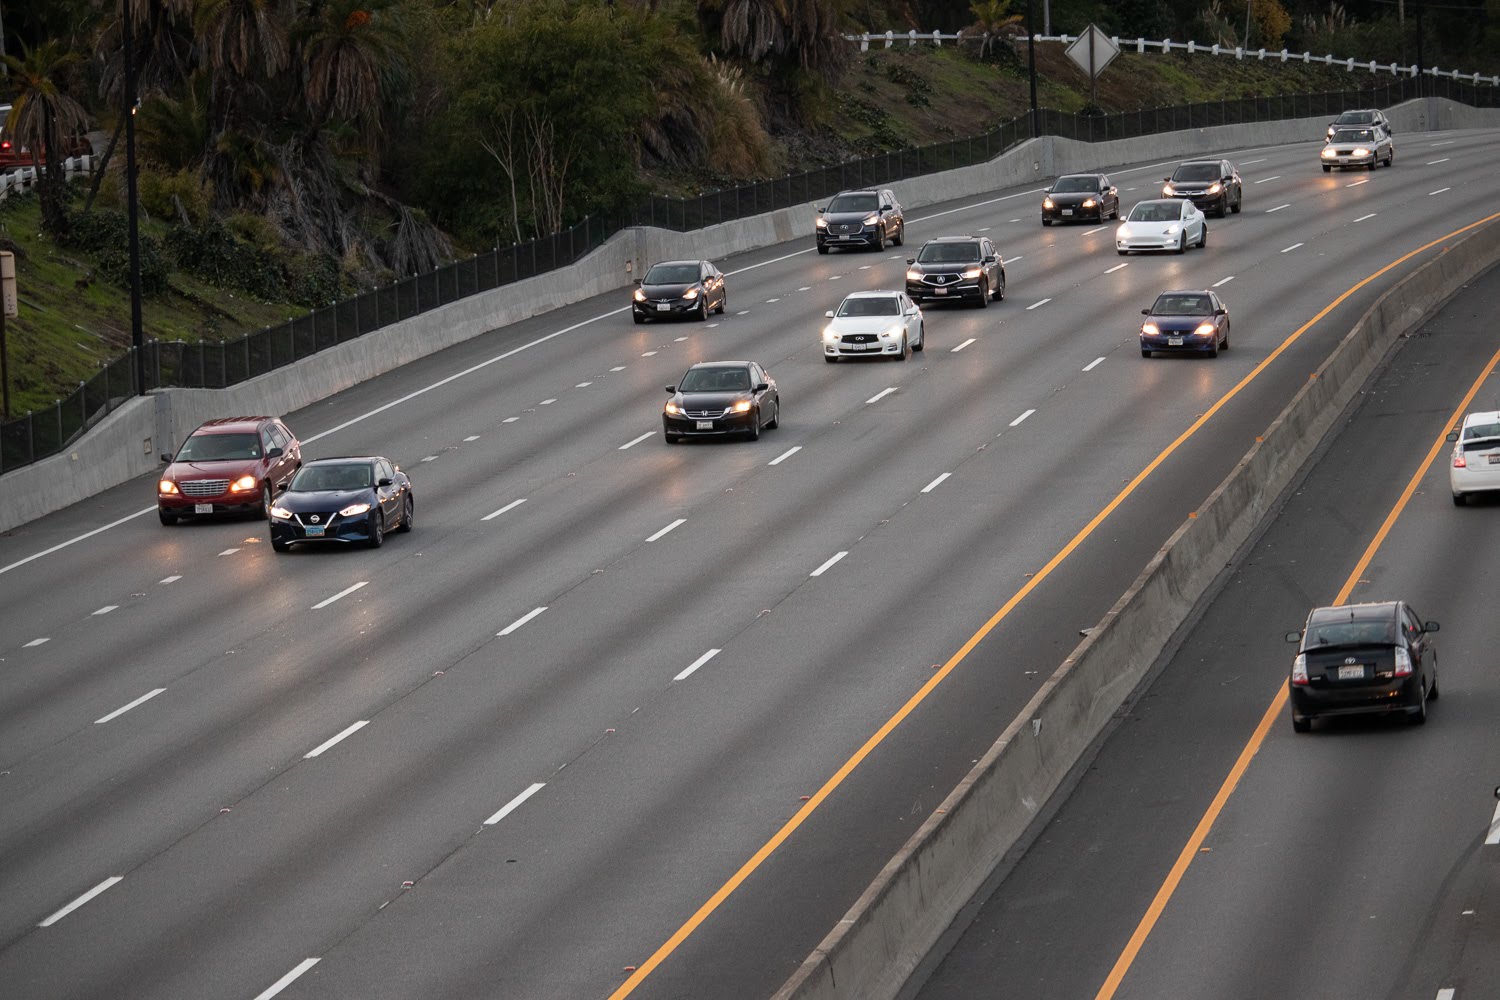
890 38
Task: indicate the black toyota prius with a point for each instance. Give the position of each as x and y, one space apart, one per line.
343 501
1355 659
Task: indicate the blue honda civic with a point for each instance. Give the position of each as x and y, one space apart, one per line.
1194 321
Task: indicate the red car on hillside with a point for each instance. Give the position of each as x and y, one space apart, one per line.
228 465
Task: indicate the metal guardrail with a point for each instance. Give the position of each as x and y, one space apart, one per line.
49 431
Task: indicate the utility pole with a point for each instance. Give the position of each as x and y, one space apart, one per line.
1248 5
137 337
1421 84
1031 59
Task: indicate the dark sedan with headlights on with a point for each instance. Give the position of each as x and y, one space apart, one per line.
343 501
675 288
1194 321
1080 198
720 398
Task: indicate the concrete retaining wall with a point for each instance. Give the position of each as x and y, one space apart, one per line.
878 943
125 444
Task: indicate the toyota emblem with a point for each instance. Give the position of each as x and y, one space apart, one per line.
314 520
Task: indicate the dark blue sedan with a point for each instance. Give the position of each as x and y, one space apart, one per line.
343 501
1194 321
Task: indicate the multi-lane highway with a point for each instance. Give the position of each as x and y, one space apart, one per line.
623 718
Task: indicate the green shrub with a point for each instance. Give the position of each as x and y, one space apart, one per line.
161 194
105 234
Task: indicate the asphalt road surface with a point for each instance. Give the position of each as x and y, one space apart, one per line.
1353 862
557 792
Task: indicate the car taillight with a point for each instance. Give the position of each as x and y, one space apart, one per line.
1299 669
1459 462
1403 662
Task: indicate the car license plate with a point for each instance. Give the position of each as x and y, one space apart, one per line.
1354 673
940 291
705 425
662 307
203 508
315 530
1067 211
1174 341
1493 459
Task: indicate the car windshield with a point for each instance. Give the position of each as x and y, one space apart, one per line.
672 274
1156 211
870 305
854 203
1073 185
219 447
1354 118
715 380
1482 432
1196 172
317 478
1174 304
1351 633
949 253
1354 135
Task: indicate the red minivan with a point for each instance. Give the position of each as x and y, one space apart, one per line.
233 464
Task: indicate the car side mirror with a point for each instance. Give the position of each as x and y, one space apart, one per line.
383 482
1145 312
638 282
1294 637
822 210
1221 312
168 458
829 314
671 388
990 258
911 260
1046 190
1430 626
887 208
1114 190
275 453
762 386
281 487
1452 436
1166 180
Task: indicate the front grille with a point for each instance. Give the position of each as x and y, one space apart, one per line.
705 414
203 487
847 227
940 279
315 518
859 338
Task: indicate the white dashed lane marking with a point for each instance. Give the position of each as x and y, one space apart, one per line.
1446 993
230 552
507 630
635 441
547 402
1433 163
170 579
649 354
618 368
288 979
340 595
677 523
936 483
1112 270
1445 142
675 340
510 420
1093 364
96 890
510 506
1223 281
37 642
1438 191
1037 305
962 346
828 565
1493 836
1277 208
125 708
1017 422
785 455
429 458
1246 163
1091 232
1273 177
1290 248
1362 180
115 607
1362 218
769 301
696 664
585 385
805 288
471 437
1012 260
331 741
881 395
515 803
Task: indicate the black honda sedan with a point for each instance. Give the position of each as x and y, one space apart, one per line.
344 501
677 288
720 398
1362 658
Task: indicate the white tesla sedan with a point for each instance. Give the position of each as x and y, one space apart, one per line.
1475 467
870 324
1162 224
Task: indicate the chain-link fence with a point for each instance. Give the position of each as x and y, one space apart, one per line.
216 365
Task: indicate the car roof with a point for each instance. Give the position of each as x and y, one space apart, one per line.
675 262
858 191
952 239
230 425
1482 417
1371 611
1184 291
873 293
721 364
1160 201
1194 163
1086 173
343 459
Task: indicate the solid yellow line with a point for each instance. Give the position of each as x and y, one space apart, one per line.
1278 703
769 847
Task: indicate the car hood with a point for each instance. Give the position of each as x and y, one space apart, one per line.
863 324
1071 198
1176 323
1150 228
321 500
848 216
231 468
1184 187
668 291
955 267
708 400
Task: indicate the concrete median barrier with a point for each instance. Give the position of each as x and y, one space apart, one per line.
900 916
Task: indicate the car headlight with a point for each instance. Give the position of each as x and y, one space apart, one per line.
894 331
1168 191
1089 203
674 409
973 272
1204 329
1172 229
1361 151
1048 203
640 295
829 333
166 486
821 222
1214 188
1150 329
743 406
871 220
281 513
1329 153
1123 231
244 484
354 510
691 293
913 274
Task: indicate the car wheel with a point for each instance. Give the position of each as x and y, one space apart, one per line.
1224 205
1432 690
775 420
1123 253
1419 717
280 546
639 319
831 358
1459 500
1301 725
377 528
171 519
703 309
879 243
1203 238
723 303
1327 169
753 433
671 438
1046 221
1000 288
1373 164
984 293
921 344
823 249
1213 351
1239 202
1182 242
901 356
1225 346
408 512
1145 352
900 235
265 501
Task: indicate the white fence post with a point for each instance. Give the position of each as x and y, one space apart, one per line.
1140 46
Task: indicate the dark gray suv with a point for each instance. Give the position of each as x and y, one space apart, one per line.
956 267
863 219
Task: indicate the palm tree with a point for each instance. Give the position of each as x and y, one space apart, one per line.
243 45
993 19
43 116
353 58
807 33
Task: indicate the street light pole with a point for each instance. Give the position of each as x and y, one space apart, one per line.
137 336
1421 84
1031 59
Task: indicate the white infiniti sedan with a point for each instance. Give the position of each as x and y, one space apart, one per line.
1475 467
874 324
1162 224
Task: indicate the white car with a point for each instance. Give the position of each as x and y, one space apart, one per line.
1475 467
1162 224
1358 147
869 324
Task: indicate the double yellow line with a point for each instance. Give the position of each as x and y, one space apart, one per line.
724 891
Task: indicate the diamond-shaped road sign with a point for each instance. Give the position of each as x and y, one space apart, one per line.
1092 51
